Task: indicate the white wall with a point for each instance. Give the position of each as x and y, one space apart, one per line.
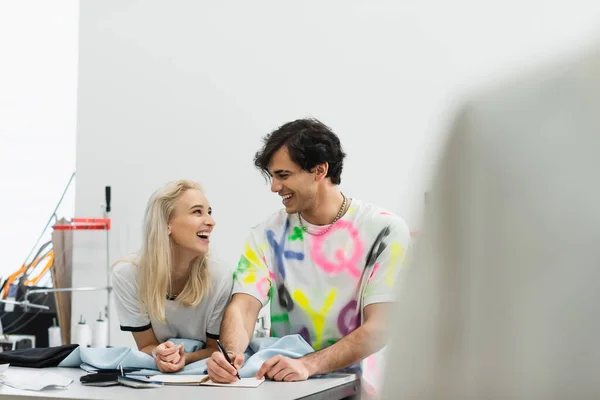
38 88
186 89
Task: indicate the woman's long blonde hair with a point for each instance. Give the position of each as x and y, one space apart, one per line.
155 259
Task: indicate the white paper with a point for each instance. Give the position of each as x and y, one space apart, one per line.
3 368
244 382
41 381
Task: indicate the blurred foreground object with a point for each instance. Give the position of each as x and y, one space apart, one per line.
502 300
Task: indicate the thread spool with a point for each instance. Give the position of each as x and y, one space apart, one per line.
54 336
83 333
100 336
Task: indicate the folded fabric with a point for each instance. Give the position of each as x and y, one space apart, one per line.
108 358
260 350
116 357
37 357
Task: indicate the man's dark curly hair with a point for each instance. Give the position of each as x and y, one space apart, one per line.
309 143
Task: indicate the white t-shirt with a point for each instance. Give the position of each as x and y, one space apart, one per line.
198 322
318 285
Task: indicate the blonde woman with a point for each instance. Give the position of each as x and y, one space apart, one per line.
172 289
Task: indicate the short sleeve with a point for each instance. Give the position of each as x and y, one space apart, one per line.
252 275
388 256
124 284
222 296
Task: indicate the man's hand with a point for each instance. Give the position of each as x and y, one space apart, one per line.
280 368
170 366
220 371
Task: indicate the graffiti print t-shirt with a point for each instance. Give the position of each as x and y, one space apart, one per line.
318 285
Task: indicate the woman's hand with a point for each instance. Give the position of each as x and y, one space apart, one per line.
167 352
173 361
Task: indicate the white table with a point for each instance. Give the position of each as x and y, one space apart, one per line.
338 386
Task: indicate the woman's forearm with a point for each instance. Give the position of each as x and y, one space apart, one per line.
148 349
199 355
189 357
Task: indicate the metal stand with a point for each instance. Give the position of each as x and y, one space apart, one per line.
107 193
26 304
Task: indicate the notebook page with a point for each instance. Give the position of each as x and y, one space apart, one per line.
179 379
244 382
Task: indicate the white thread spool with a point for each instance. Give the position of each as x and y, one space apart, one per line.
54 337
100 337
83 333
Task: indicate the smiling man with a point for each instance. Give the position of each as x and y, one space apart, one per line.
326 262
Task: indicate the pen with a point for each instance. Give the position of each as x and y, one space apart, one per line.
227 357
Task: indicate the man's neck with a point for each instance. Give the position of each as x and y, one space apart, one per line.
326 208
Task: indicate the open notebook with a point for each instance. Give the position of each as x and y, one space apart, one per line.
195 380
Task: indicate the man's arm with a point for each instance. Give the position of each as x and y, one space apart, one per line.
369 338
237 328
239 320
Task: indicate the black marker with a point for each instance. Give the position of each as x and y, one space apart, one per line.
227 357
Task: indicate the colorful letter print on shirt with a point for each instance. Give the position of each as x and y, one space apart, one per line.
318 285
